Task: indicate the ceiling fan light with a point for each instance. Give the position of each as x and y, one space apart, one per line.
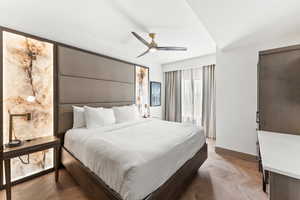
152 49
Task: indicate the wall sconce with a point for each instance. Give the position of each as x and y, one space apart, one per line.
16 142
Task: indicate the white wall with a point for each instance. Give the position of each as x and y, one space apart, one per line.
236 90
190 63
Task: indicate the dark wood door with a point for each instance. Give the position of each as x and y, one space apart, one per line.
279 90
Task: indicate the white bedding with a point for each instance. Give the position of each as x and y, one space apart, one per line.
135 158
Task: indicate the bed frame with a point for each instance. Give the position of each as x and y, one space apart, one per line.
87 78
97 189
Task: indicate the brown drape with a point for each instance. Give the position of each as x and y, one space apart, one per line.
209 101
173 96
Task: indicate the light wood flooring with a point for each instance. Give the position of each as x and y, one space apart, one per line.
220 178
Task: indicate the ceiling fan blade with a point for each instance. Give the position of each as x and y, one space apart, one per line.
143 53
172 48
141 39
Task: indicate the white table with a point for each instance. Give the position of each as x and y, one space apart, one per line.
280 154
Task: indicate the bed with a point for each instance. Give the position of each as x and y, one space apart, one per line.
135 158
125 161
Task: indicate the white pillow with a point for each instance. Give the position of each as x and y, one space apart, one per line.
78 117
98 117
126 113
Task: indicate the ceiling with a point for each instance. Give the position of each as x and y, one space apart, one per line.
104 26
234 23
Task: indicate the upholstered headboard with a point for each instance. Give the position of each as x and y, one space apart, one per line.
86 78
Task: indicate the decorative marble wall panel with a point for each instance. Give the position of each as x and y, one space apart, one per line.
28 73
142 89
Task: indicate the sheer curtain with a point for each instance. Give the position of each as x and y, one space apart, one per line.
198 98
191 96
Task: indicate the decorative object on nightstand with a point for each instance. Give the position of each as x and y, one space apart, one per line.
147 111
28 147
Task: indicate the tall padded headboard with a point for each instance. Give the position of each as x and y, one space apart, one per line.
85 78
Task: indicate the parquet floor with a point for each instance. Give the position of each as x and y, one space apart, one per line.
226 178
220 178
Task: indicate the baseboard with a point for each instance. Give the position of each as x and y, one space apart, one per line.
240 155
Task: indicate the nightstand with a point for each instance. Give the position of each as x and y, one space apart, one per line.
28 147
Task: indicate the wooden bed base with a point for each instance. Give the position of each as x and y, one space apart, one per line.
98 190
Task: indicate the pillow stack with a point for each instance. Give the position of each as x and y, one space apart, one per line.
126 113
78 117
98 117
91 117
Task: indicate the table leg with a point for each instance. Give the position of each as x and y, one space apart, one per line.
56 163
265 180
7 179
264 184
1 173
267 173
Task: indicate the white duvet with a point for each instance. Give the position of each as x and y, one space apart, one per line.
135 158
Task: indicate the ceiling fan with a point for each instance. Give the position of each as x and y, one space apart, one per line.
152 46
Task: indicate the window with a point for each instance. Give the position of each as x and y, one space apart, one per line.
191 92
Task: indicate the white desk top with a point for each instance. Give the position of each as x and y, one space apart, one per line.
280 153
